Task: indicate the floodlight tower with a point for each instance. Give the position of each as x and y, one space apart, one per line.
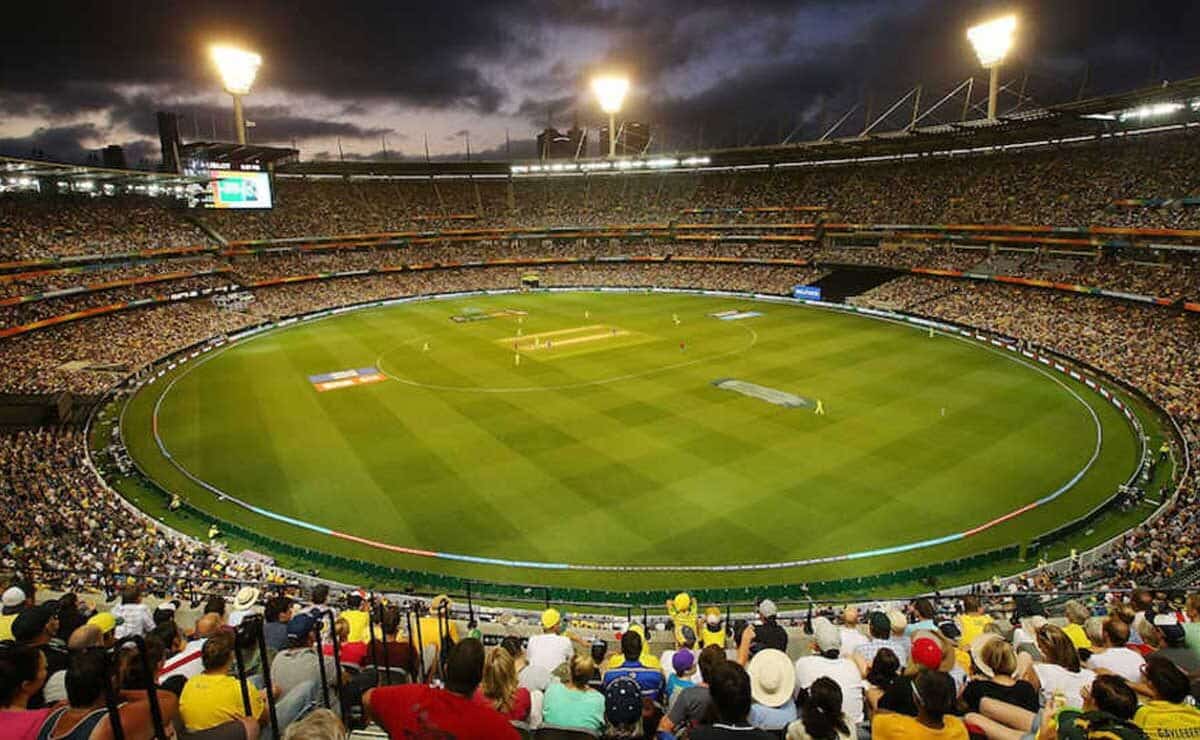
992 41
237 68
611 90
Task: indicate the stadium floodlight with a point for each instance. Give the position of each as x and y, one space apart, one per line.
992 42
237 68
611 91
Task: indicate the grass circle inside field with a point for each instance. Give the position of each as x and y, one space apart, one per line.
922 437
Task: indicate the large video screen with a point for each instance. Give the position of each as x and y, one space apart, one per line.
238 189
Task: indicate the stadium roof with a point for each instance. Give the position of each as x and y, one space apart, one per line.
14 167
1146 109
237 154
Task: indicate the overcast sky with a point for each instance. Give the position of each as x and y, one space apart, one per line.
75 76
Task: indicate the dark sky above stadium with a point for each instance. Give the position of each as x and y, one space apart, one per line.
77 75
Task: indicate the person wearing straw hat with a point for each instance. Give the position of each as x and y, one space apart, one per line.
772 681
244 605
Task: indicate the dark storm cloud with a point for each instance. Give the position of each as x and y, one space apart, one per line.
60 143
716 72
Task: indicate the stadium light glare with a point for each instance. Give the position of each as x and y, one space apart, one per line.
610 91
992 41
237 68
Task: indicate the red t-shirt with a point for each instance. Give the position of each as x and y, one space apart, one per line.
349 652
521 705
419 712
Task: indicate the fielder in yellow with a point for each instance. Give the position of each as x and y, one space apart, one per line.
820 411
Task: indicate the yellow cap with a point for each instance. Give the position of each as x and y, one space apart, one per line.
712 611
105 621
438 601
683 602
550 617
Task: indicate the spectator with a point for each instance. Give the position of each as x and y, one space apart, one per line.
22 675
436 629
922 609
1173 638
852 636
1192 626
683 667
319 724
244 605
357 617
821 716
881 674
133 617
189 661
84 638
421 710
994 663
825 662
298 667
276 615
85 714
927 655
933 692
499 689
107 624
667 659
70 618
574 704
973 620
1061 674
713 630
37 628
682 611
879 629
624 709
1117 657
216 605
1077 615
763 634
13 601
213 697
1108 710
730 690
772 683
549 650
693 705
649 680
901 644
1166 715
399 655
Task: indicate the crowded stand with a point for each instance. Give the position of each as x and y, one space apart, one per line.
40 227
1001 662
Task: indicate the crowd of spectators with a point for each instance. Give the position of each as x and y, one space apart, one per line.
982 666
38 227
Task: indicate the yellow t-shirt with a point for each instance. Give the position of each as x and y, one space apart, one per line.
1078 637
888 726
972 627
429 631
682 619
1166 720
209 700
712 637
6 623
359 622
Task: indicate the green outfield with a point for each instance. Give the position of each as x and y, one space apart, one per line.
588 429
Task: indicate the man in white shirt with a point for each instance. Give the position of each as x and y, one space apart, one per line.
825 661
188 662
133 617
1117 658
852 637
550 649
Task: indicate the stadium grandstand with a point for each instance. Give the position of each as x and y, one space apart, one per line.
171 373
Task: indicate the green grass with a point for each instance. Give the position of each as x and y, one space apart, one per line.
618 450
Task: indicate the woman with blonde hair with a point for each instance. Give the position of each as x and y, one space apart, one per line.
499 689
993 663
574 704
